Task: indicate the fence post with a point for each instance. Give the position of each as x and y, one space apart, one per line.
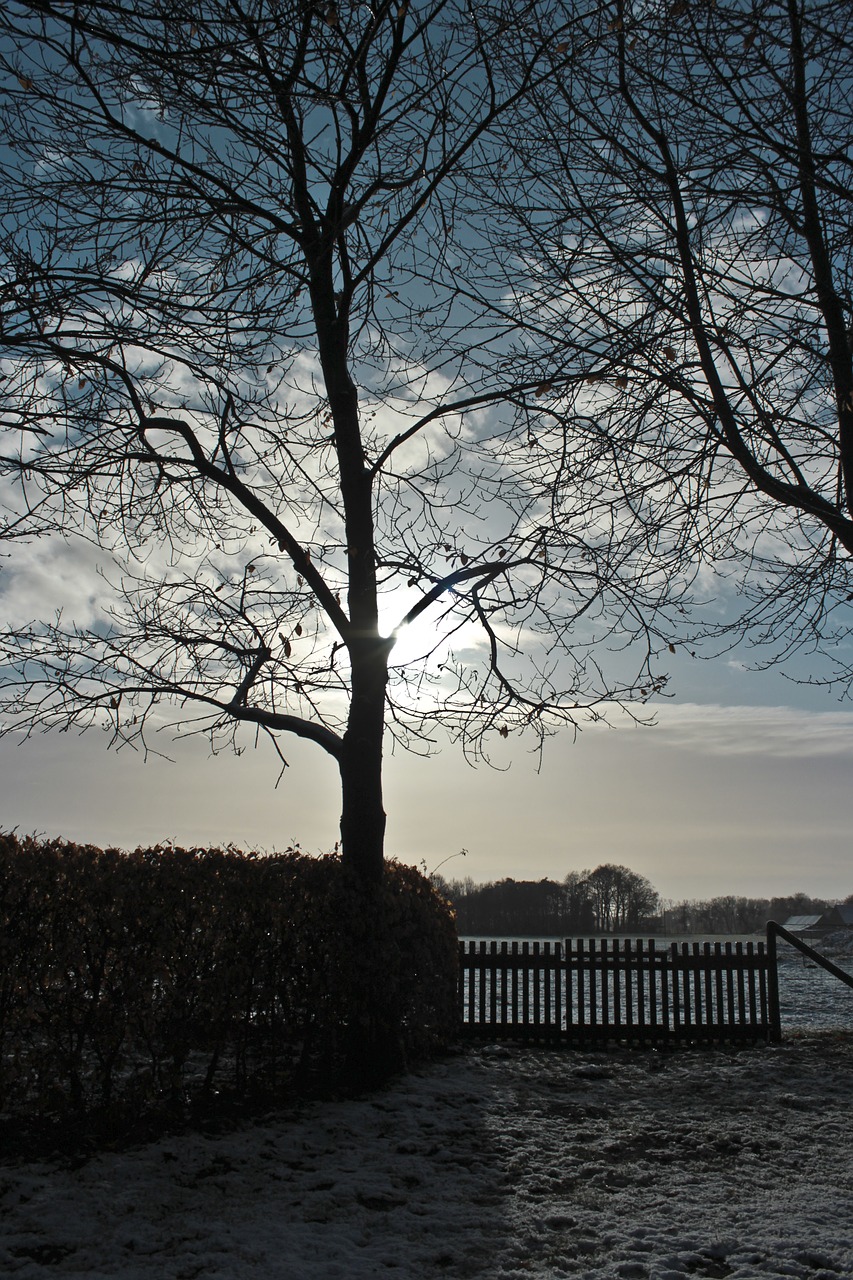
774 1017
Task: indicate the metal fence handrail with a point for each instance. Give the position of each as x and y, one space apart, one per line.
774 931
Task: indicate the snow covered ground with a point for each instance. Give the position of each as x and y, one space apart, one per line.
498 1163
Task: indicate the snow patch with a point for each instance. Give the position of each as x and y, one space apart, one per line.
506 1165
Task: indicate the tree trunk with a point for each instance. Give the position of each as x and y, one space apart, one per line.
360 760
362 814
373 1046
373 1042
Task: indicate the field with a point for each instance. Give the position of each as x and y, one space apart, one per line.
496 1163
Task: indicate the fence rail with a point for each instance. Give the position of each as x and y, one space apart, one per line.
608 989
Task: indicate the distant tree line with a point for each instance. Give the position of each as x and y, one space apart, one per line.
730 914
609 899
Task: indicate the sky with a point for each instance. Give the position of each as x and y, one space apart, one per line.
741 786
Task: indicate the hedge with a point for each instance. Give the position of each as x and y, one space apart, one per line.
167 980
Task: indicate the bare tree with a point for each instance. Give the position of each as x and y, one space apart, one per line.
682 203
620 898
243 357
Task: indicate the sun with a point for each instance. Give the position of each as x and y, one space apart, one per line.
433 637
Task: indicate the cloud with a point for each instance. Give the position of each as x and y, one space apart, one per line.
53 574
779 732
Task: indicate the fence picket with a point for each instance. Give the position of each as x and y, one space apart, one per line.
696 983
675 972
615 984
730 986
642 961
592 986
664 992
742 993
653 990
686 1007
556 993
629 989
569 998
764 982
708 985
753 1002
605 982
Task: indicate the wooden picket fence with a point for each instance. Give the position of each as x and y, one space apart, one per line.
619 990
